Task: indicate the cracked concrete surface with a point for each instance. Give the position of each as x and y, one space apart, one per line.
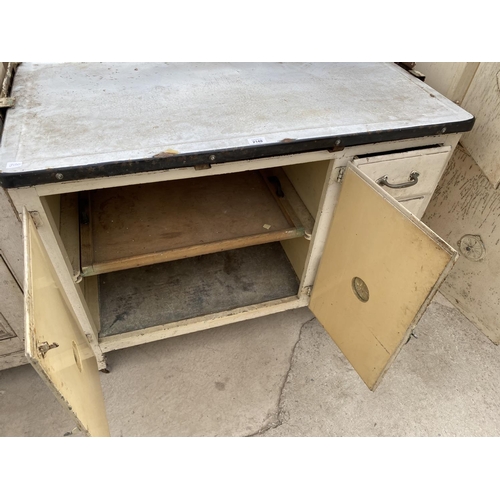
281 375
445 382
278 414
222 382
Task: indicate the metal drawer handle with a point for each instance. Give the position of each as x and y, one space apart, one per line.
413 179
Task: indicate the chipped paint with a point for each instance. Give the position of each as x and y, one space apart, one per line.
166 153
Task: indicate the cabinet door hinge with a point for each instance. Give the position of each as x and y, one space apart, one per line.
45 347
37 220
340 175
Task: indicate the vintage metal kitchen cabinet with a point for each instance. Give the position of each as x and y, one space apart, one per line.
163 199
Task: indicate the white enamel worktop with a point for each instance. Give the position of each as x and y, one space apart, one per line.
77 114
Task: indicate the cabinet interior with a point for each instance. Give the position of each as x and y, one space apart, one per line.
158 253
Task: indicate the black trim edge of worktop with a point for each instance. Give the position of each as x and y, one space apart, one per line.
287 147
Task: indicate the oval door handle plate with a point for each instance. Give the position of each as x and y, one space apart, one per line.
413 179
360 289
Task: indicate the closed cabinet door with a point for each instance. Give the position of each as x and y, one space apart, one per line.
379 270
55 344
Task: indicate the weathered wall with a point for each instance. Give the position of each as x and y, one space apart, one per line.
465 208
451 79
483 101
465 211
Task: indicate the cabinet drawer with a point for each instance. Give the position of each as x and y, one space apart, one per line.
397 169
416 205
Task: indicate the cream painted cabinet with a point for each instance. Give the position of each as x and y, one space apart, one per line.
273 189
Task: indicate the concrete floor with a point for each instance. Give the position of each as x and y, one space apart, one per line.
281 376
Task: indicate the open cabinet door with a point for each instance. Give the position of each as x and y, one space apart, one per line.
379 270
55 345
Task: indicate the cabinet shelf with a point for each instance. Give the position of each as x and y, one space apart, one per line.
173 291
139 225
